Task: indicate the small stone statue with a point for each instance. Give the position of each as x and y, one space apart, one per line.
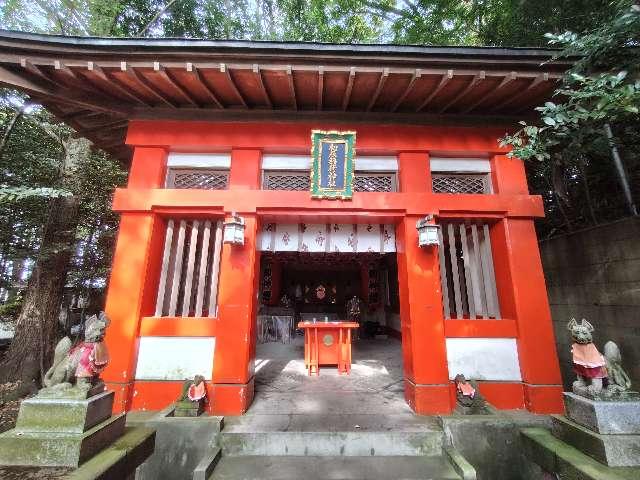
598 376
75 372
588 363
192 398
468 399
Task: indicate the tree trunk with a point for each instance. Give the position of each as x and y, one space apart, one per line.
31 350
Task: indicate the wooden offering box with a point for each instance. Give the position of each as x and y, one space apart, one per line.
327 343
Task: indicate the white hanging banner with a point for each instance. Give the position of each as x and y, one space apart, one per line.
331 237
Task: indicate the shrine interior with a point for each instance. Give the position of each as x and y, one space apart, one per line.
302 286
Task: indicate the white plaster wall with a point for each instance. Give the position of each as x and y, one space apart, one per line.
484 358
199 160
175 358
479 165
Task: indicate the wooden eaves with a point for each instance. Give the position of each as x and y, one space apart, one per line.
97 84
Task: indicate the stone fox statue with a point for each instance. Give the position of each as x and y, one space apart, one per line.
598 375
83 362
588 363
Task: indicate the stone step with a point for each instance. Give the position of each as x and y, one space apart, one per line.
333 468
612 450
554 455
331 435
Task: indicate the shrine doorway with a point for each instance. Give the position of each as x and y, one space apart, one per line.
299 286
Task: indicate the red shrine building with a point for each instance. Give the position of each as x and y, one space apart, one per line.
268 176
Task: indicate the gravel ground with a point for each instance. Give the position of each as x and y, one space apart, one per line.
8 415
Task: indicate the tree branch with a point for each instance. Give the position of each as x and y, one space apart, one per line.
10 127
155 18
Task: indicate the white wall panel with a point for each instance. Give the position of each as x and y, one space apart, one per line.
199 160
286 162
484 358
466 165
175 358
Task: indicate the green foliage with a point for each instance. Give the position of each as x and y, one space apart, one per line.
603 88
589 103
35 167
432 22
9 310
524 23
15 194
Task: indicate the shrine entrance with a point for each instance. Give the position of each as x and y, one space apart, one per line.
300 286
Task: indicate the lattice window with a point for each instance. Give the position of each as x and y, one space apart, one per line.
286 180
188 285
466 271
199 178
460 183
374 182
363 181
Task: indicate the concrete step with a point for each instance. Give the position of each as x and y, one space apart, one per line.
332 435
614 450
554 455
333 468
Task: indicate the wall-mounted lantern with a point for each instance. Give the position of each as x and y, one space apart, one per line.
234 229
427 232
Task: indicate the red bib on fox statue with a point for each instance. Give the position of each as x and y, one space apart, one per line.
588 361
92 358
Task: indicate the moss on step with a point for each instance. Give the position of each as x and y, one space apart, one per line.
556 456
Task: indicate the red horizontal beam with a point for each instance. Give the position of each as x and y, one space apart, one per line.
178 327
283 205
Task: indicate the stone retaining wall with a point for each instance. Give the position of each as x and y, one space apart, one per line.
595 274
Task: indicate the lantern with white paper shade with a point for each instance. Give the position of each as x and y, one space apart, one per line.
427 232
234 229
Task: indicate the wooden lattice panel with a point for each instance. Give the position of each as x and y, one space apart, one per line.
362 182
460 183
286 181
374 182
203 179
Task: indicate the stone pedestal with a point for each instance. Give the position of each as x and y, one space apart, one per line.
61 432
596 440
612 450
607 430
604 416
188 408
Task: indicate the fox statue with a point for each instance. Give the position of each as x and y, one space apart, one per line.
80 364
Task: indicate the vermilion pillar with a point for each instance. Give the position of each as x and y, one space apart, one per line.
233 369
523 294
423 338
133 275
516 241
